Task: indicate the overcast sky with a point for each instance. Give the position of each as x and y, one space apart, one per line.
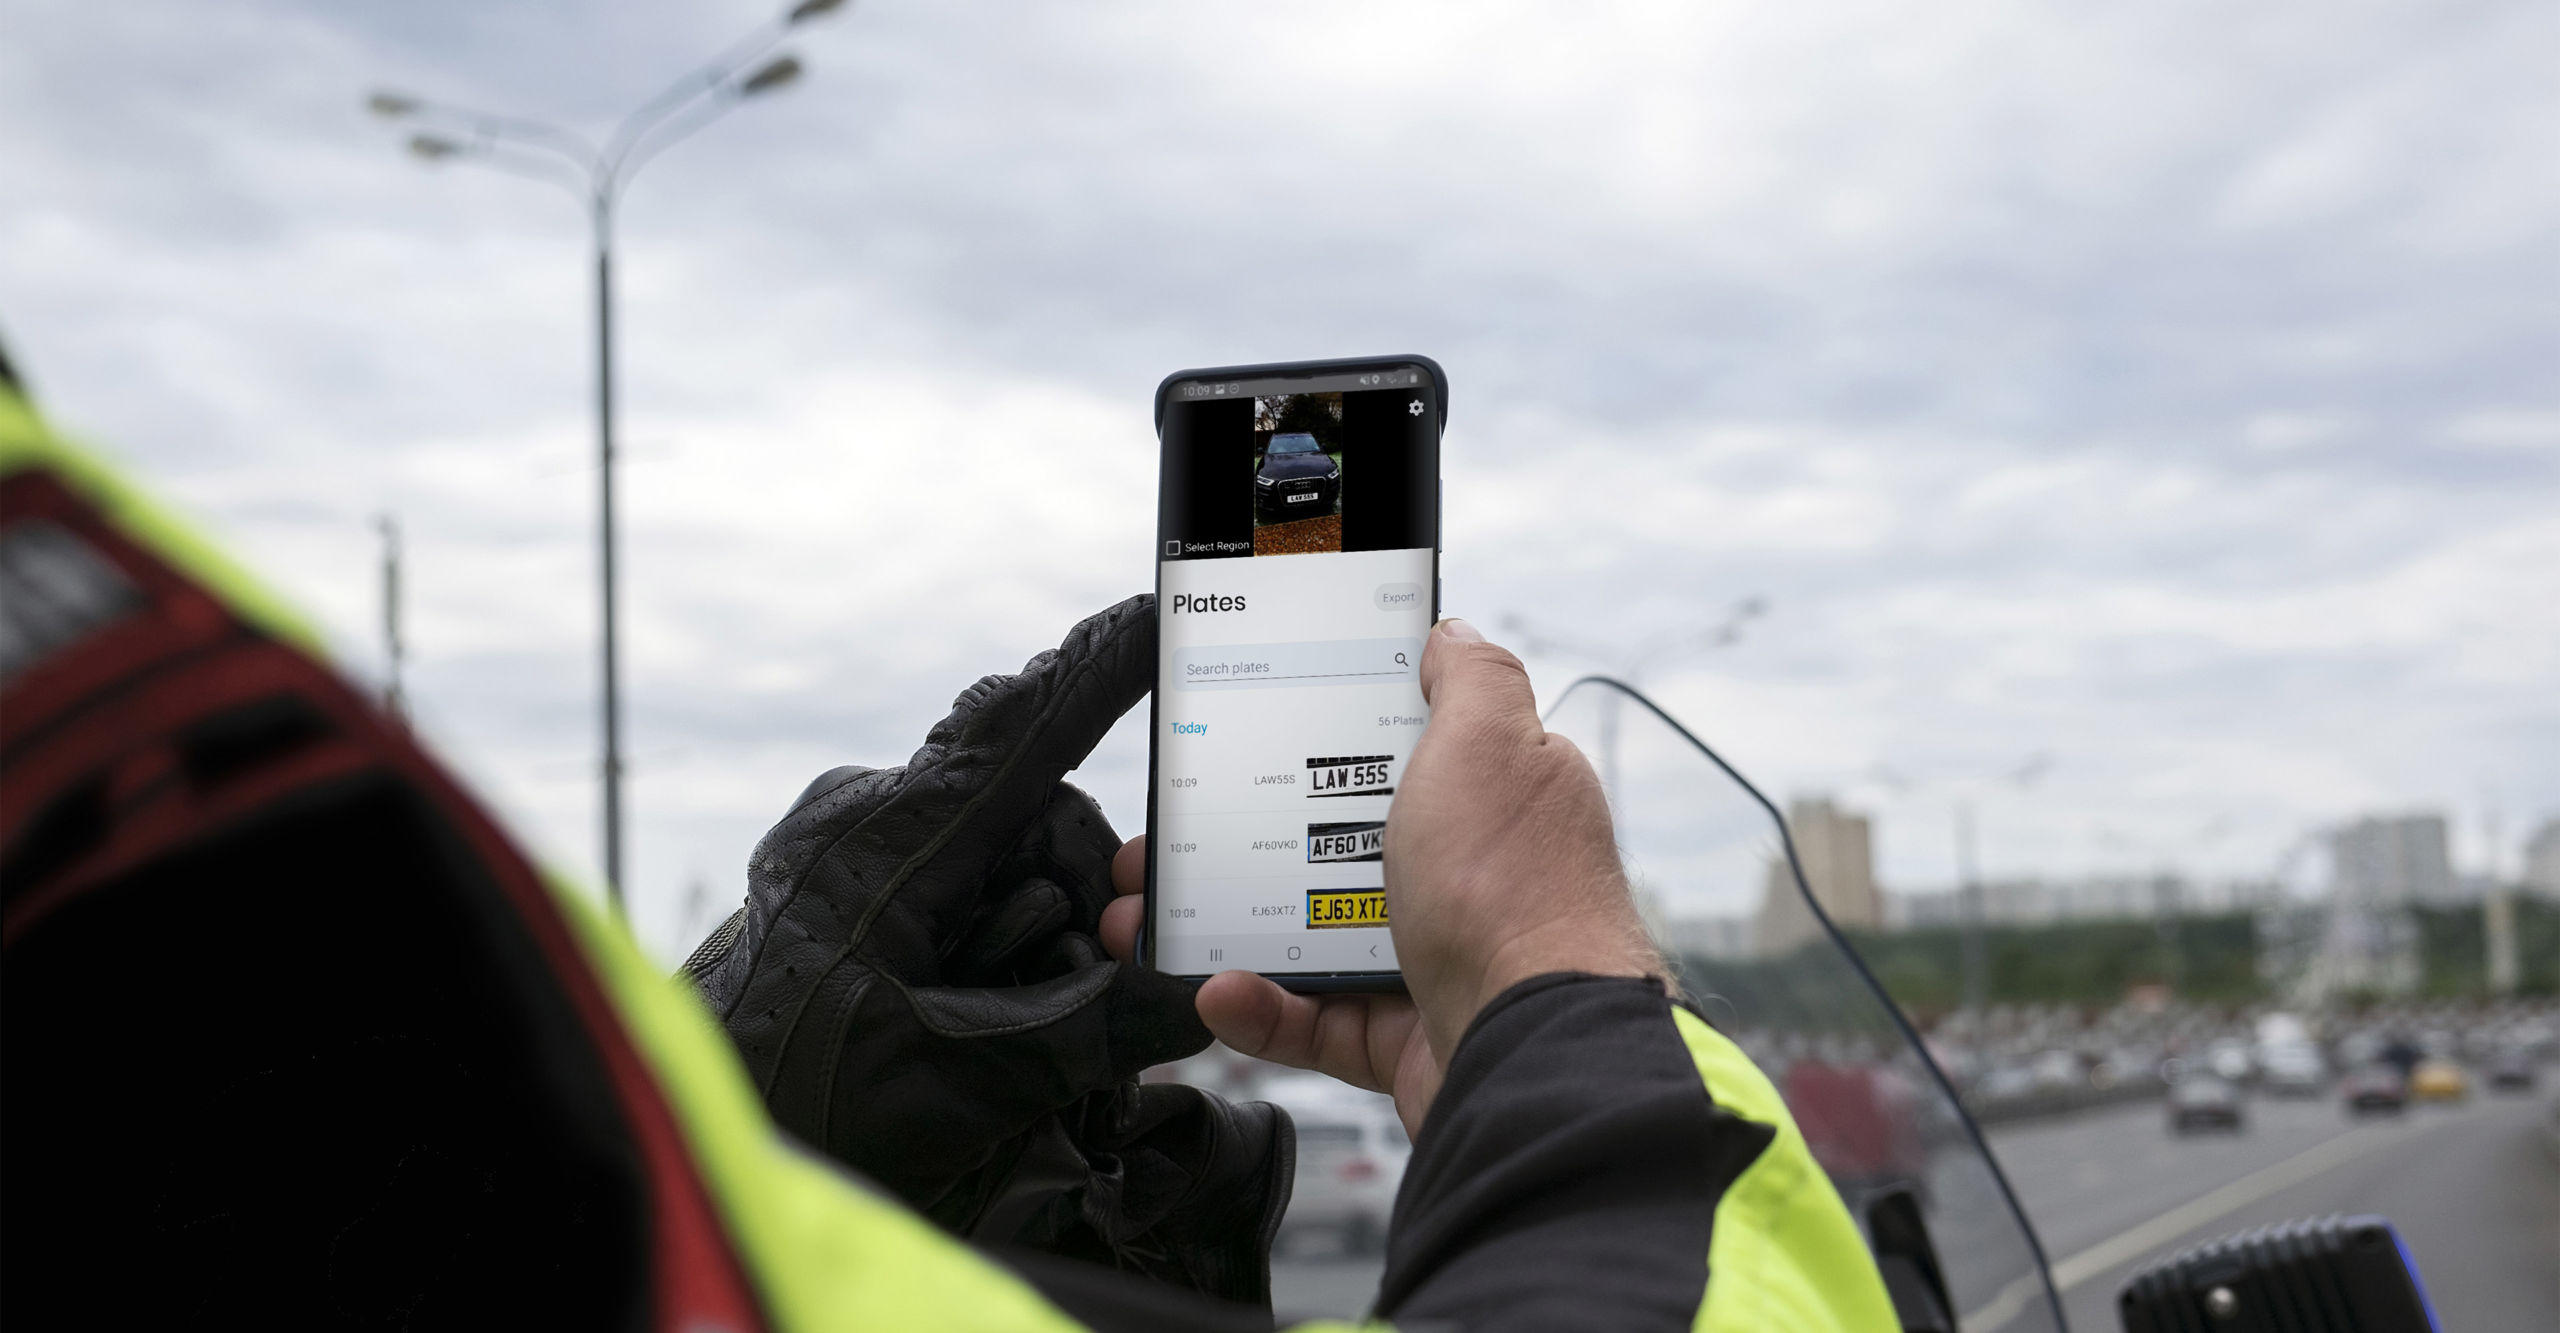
2167 388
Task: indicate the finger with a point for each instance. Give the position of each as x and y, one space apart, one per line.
1125 913
1129 867
1004 932
1120 923
1072 844
829 781
1009 739
1338 1035
1477 685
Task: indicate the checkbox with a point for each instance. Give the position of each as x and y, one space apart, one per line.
1173 547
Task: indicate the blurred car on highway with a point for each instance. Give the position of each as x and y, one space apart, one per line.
2058 1071
2006 1083
1351 1157
2375 1088
2206 1101
2293 1069
1859 1121
2229 1060
2439 1081
2512 1070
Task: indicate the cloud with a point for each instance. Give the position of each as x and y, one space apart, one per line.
2166 388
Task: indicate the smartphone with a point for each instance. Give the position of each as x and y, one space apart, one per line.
1297 575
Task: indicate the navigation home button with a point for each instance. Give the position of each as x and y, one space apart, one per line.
1399 596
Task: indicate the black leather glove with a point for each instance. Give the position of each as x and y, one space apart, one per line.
917 989
1164 1179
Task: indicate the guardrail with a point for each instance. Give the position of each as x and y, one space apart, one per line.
2059 1101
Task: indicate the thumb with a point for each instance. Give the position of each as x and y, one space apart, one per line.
1477 687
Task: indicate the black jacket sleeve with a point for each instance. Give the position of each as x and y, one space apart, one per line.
1573 1173
1570 1169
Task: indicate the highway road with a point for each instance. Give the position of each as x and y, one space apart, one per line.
2474 1189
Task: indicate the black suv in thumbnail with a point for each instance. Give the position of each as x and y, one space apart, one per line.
1298 479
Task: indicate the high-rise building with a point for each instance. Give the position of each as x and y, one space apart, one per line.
2390 861
1838 851
1706 936
2034 901
2542 859
2379 867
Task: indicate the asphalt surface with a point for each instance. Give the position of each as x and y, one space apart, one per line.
2474 1190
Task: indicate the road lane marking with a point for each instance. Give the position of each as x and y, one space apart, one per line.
2133 1244
2125 1246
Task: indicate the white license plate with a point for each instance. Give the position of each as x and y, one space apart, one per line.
1296 498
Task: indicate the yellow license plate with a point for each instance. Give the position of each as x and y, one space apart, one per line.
1331 909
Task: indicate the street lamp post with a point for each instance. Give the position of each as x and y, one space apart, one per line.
394 649
598 176
2168 888
1974 955
1632 664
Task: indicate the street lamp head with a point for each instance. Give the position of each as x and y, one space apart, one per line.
779 72
391 105
432 147
810 9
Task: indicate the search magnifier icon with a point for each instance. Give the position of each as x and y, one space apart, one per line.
1401 662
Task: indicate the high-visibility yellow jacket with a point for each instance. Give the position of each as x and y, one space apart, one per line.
295 1034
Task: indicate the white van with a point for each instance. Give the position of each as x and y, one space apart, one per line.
1351 1157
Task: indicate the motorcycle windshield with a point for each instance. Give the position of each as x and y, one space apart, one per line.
1702 845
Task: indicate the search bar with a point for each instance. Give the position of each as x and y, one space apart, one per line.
1297 666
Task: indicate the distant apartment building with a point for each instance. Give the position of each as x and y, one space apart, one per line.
1707 936
2379 867
2031 902
2391 861
1837 848
2542 859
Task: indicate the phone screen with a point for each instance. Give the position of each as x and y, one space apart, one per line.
1298 574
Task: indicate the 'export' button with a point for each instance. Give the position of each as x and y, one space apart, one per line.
1399 596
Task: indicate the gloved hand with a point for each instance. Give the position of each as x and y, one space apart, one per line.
1171 1181
916 989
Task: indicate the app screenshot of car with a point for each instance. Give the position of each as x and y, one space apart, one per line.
1295 583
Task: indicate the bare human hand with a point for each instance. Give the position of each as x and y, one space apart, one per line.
1500 864
1368 1041
1501 861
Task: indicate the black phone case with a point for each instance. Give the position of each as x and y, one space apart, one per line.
1310 983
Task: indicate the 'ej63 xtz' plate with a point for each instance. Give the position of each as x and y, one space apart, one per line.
1329 909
